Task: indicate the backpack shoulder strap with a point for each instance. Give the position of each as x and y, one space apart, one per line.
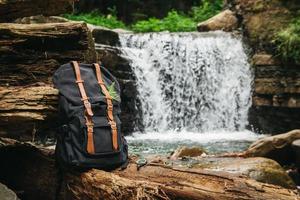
110 115
88 109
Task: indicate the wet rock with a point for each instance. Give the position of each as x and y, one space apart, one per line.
184 151
296 149
264 59
261 169
225 21
40 19
6 193
278 147
105 36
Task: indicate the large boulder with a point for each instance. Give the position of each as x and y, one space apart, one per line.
278 147
226 21
296 149
6 193
260 169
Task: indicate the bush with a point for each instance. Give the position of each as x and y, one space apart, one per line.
109 21
288 42
173 22
208 9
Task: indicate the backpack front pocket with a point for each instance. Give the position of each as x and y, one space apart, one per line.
102 136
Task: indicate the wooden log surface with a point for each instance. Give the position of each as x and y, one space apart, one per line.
13 9
31 170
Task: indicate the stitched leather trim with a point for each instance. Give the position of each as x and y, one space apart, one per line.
88 109
110 115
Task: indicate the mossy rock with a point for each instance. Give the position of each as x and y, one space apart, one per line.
260 169
184 151
263 19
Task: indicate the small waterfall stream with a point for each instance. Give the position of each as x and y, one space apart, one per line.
190 83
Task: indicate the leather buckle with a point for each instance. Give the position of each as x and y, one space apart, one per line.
113 125
86 103
110 107
90 127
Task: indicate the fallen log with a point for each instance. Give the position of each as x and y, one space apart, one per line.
31 170
30 53
276 147
13 9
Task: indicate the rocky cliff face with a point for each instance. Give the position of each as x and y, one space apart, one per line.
276 97
29 56
31 49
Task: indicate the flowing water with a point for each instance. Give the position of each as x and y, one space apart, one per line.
194 89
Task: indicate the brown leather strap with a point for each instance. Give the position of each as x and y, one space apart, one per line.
88 109
110 115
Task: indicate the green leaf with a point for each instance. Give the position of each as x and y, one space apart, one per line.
111 90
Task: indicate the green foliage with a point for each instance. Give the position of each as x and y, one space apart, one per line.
208 9
111 90
288 42
109 21
173 22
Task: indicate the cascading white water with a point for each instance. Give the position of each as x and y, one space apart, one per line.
195 82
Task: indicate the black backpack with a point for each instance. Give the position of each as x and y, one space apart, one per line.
89 133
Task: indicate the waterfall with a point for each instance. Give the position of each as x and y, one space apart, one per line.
194 82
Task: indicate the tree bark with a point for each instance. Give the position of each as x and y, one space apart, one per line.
13 9
32 170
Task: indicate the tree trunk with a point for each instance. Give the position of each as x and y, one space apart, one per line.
153 181
13 9
30 53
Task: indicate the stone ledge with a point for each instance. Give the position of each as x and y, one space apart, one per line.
264 60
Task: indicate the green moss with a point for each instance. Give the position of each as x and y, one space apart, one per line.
288 42
109 21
